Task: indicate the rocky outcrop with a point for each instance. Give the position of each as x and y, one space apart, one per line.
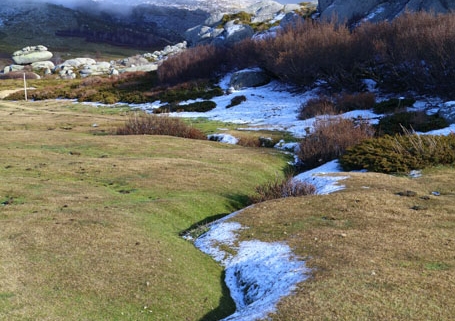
31 54
264 10
220 30
85 67
378 10
447 111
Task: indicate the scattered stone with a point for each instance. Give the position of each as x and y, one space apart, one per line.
13 68
31 54
43 65
419 208
407 193
249 78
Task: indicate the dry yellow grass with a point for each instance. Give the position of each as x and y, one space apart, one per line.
90 222
374 255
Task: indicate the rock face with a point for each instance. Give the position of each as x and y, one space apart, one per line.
221 32
378 10
29 55
85 67
447 111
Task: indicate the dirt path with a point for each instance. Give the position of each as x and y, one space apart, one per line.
5 93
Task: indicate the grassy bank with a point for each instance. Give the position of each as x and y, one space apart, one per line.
382 249
91 221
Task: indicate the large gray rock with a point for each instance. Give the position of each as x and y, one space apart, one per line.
236 32
447 111
13 68
378 10
264 10
248 78
31 54
46 65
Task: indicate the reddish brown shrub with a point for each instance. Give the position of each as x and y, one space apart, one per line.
358 101
321 105
282 188
313 51
201 62
329 140
338 104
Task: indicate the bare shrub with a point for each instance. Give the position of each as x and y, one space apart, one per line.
201 62
150 124
282 188
244 54
311 51
415 52
330 139
338 104
321 105
358 101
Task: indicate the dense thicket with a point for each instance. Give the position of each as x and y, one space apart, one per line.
414 52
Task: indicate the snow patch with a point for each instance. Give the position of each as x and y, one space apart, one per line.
258 275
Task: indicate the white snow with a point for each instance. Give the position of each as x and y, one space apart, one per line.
259 274
322 179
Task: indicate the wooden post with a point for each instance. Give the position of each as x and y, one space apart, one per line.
25 88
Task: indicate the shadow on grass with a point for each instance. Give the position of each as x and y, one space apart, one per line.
226 306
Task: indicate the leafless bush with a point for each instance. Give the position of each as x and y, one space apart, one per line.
151 124
322 105
415 51
313 51
330 139
200 62
335 105
358 101
282 188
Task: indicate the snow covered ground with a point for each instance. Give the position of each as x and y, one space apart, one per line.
270 107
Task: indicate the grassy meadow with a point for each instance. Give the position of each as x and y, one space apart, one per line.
91 221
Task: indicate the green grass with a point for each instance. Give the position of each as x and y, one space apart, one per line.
94 233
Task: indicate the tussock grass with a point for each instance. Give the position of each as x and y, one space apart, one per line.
282 188
374 255
150 124
90 229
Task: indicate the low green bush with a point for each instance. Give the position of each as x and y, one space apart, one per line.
393 105
237 100
400 153
409 121
199 106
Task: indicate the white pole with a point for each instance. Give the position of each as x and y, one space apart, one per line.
25 88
